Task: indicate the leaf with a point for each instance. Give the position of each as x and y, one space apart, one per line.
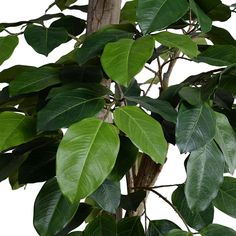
76 233
161 107
7 47
68 107
196 220
195 127
160 227
123 59
34 80
63 4
217 230
225 138
145 132
178 232
191 95
182 42
205 171
107 196
85 157
128 12
203 19
226 198
130 226
16 129
102 226
156 15
52 211
43 40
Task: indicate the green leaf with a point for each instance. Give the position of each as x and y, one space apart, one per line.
68 107
85 157
227 79
225 138
7 47
195 127
145 132
182 42
203 19
94 43
34 80
196 220
156 15
63 4
178 232
52 211
76 233
161 107
226 198
123 59
107 196
217 230
191 95
102 226
205 169
43 40
128 12
130 226
160 227
15 129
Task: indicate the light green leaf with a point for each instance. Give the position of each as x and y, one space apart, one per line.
205 169
195 127
226 198
225 137
145 132
7 47
155 15
52 211
217 230
124 59
182 42
15 129
85 157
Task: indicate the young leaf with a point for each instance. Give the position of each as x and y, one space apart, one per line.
205 171
145 132
217 230
52 211
123 59
85 157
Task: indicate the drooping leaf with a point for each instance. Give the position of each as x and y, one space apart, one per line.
195 127
43 40
191 95
155 15
107 196
178 232
7 47
68 107
205 169
85 157
52 211
217 230
145 132
226 198
123 59
15 129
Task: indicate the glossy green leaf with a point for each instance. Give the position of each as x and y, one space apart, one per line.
15 129
130 226
145 132
191 95
52 211
85 157
43 40
195 127
34 80
226 198
196 220
203 19
155 15
68 107
217 230
123 59
205 169
182 42
178 232
7 47
225 138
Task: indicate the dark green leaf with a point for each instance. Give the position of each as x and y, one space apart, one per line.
191 95
63 4
205 171
178 232
128 12
76 233
227 79
217 230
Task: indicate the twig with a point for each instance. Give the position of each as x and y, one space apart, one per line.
150 69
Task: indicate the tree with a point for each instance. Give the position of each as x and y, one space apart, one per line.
113 127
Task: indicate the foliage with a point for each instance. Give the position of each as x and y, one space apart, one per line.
91 157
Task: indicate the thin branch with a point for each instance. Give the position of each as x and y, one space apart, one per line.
150 69
166 186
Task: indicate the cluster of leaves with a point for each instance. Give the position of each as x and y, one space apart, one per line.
88 162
